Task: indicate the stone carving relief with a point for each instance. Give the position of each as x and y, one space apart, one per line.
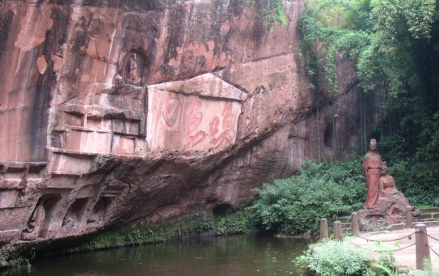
16 178
226 137
194 136
35 223
166 108
133 72
88 127
193 115
132 69
39 222
191 122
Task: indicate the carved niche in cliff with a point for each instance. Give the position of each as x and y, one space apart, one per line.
134 64
132 69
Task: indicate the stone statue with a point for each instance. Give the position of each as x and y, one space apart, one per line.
372 171
34 224
385 206
390 198
387 183
132 69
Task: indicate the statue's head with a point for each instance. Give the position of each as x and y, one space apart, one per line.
384 168
373 144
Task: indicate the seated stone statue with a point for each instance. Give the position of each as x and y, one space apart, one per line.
390 198
387 183
34 224
132 71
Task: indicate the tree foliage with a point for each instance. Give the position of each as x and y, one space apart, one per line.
377 35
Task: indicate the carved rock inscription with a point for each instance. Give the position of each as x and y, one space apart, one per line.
187 122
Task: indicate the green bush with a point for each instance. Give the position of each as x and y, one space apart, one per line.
295 205
13 259
334 258
236 223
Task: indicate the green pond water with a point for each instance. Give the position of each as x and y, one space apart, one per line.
237 255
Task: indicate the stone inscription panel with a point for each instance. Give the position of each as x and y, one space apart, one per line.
188 122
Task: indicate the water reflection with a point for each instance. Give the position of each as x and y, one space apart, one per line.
238 255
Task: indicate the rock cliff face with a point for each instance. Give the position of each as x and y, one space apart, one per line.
114 111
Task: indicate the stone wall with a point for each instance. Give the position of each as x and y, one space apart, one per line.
116 111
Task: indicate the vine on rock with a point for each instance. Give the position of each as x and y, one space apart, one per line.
270 11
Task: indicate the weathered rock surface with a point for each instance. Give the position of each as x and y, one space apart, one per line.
114 111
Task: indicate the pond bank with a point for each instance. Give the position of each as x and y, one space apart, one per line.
195 224
244 255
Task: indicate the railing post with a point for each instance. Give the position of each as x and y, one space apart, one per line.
323 228
408 217
355 225
422 248
338 231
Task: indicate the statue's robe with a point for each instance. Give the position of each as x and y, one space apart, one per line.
372 171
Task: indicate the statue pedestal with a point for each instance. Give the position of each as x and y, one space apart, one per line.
389 210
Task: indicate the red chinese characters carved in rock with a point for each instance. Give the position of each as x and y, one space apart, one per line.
193 135
167 113
225 138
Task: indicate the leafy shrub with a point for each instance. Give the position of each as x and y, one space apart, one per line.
334 258
13 259
295 205
237 223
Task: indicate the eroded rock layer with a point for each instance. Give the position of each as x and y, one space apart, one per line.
114 111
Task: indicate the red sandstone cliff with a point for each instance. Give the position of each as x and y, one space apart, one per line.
111 111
